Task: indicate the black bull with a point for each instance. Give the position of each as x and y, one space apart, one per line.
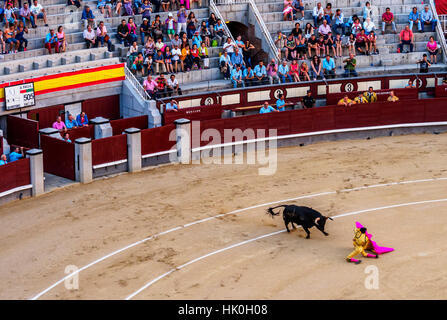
304 216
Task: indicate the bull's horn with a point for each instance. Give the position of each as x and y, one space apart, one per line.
329 218
316 220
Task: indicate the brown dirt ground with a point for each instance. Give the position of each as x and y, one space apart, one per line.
78 224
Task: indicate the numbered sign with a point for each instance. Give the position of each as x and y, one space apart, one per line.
19 96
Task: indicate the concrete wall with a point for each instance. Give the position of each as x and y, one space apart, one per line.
132 105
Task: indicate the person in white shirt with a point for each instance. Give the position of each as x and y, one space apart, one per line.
176 53
229 47
173 86
90 37
318 14
38 12
324 29
369 26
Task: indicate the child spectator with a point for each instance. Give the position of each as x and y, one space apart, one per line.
372 40
203 52
138 64
424 64
170 26
338 46
148 65
66 137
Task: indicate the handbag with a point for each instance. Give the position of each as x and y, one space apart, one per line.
106 38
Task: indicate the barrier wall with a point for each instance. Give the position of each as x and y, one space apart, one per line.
441 91
47 116
195 113
106 107
58 157
382 95
82 132
118 126
23 132
15 174
157 139
108 150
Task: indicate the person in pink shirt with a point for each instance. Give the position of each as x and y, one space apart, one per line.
295 70
59 124
406 37
432 48
272 72
324 29
150 86
388 20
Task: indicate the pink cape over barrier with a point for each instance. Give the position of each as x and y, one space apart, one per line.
377 249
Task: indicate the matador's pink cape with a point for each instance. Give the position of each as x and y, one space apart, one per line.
377 249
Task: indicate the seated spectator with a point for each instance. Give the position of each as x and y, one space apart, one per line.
225 65
59 125
162 85
312 43
406 37
173 86
424 64
237 58
288 10
122 33
168 60
415 18
248 76
76 3
260 73
304 72
9 15
321 48
318 14
186 57
410 84
38 12
291 48
105 6
236 77
280 42
298 7
25 15
324 28
301 47
339 22
328 14
360 99
316 68
160 45
191 24
10 38
148 65
283 72
3 49
370 95
20 36
90 37
146 10
229 47
51 42
66 137
361 42
427 18
350 44
345 101
87 17
102 36
356 26
3 160
372 41
266 108
212 21
159 62
351 63
132 30
150 86
350 21
308 30
195 57
16 154
368 11
368 26
294 72
70 122
205 34
272 72
204 58
280 103
433 49
387 20
176 41
171 106
219 32
61 39
138 64
329 67
392 97
329 44
177 63
82 120
308 101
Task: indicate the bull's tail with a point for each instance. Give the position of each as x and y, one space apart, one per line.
272 213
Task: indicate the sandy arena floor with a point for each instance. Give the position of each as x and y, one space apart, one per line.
80 224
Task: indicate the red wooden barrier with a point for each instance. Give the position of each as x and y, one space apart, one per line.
47 116
58 157
15 174
118 126
382 95
1 145
23 132
157 139
81 132
435 109
441 91
107 107
109 149
196 113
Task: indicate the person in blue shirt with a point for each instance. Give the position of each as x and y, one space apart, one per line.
414 17
197 39
280 103
3 160
329 67
172 105
66 137
339 22
427 18
266 108
88 17
260 73
283 72
70 122
249 76
82 119
51 41
236 77
16 154
237 58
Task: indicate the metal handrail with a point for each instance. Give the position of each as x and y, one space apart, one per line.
216 11
136 84
439 30
265 31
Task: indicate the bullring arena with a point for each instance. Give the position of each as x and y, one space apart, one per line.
201 232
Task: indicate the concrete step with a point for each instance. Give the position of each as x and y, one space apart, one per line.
352 3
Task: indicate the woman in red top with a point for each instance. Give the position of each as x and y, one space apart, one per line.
432 48
195 56
294 71
304 71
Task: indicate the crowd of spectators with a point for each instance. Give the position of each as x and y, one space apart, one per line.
70 122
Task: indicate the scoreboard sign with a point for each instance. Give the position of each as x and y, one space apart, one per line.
19 96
